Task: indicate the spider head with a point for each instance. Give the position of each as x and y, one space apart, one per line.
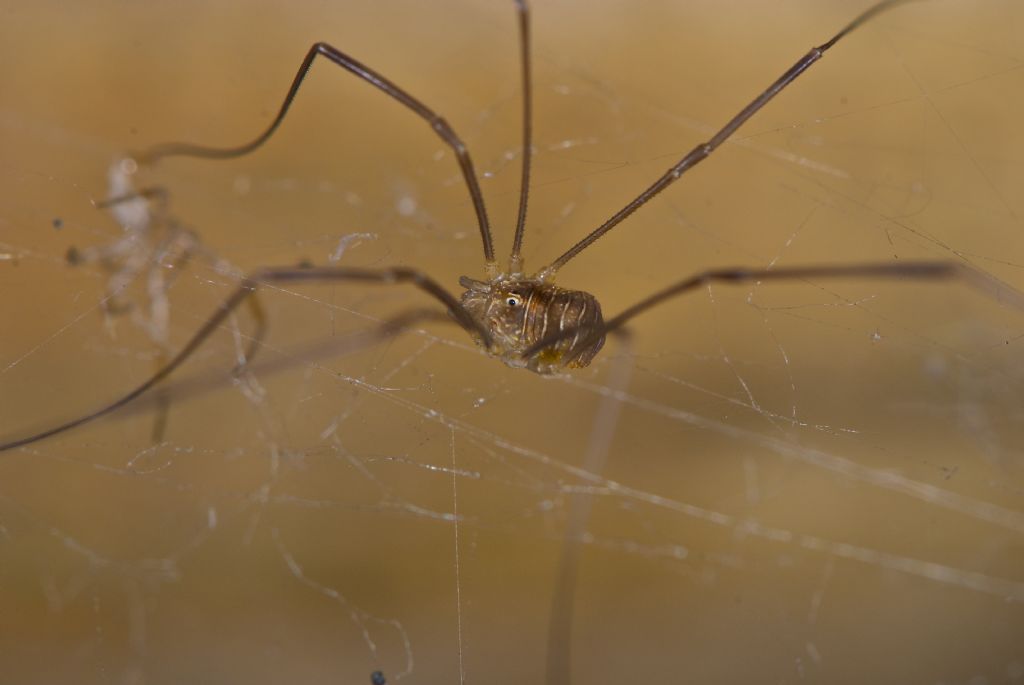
520 312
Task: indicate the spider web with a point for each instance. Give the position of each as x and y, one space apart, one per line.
799 481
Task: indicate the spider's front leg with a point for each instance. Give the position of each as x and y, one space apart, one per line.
245 291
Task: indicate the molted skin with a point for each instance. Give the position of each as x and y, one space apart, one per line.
520 313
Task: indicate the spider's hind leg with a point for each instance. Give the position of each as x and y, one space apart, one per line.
563 599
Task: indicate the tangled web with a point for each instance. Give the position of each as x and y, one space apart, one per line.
809 480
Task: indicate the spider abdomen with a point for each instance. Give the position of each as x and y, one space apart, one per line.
521 313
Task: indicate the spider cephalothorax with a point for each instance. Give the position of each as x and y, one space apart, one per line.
521 312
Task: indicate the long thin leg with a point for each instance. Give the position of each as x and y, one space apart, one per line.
516 259
694 156
924 271
308 353
243 293
563 600
335 56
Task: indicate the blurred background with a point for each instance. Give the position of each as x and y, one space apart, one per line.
817 481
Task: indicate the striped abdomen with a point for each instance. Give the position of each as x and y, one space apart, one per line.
521 313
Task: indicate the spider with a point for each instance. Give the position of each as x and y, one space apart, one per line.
523 320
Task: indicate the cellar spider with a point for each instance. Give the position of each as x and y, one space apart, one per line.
524 320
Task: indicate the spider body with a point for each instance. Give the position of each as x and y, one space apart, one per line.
520 312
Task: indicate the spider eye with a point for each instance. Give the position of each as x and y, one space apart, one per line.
513 300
